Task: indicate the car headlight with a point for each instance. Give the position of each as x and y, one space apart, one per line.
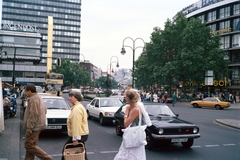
109 113
160 131
195 130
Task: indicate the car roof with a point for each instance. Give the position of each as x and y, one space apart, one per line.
51 97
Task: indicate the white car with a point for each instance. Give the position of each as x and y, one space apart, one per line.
103 108
58 111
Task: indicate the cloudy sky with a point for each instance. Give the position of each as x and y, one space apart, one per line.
106 23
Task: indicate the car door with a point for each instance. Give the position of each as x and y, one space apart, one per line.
90 107
96 108
206 102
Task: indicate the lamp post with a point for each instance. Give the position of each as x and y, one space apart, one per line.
226 59
110 66
133 47
83 68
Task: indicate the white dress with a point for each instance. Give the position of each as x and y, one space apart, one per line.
135 153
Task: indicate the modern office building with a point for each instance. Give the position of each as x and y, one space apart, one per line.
223 17
30 15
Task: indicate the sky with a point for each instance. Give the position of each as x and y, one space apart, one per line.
106 23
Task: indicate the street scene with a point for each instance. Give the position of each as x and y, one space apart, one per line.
78 76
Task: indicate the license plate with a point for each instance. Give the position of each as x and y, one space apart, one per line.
53 127
180 140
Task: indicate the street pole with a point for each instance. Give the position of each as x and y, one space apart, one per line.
123 51
13 73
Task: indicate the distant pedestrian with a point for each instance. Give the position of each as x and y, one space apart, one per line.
34 122
174 99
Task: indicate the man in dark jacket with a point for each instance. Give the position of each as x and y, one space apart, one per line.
34 122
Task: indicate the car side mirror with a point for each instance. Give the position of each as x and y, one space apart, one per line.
96 105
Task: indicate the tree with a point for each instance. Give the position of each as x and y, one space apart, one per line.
183 51
74 75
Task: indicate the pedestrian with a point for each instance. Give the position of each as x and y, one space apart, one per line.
132 118
77 124
174 99
34 122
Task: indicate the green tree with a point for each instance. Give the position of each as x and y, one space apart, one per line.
183 51
74 75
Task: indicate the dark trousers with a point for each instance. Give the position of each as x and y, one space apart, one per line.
83 140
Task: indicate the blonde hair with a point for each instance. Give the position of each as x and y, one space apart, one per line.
132 95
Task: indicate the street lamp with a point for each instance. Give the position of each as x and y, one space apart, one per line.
83 68
226 59
112 62
123 51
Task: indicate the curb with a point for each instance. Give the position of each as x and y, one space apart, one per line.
229 122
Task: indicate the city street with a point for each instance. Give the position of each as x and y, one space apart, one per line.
103 143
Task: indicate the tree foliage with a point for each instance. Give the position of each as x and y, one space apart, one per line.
74 75
183 51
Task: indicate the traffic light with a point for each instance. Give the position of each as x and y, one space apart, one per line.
58 61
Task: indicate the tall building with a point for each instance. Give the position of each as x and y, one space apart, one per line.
29 15
223 17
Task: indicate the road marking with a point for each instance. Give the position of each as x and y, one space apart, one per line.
213 145
108 151
196 146
229 144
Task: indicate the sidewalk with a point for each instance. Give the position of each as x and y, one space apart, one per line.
10 136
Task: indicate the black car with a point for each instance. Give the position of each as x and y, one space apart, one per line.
166 127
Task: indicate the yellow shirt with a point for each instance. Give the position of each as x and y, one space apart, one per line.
77 123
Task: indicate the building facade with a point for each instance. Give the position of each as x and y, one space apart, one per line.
223 17
33 14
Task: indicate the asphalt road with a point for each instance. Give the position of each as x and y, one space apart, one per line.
216 141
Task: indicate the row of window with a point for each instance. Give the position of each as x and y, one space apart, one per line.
225 25
41 13
51 2
222 13
20 40
61 7
22 74
40 19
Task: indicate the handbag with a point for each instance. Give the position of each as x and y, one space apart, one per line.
134 136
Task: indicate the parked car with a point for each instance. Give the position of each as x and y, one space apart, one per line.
58 111
103 108
212 102
166 127
66 91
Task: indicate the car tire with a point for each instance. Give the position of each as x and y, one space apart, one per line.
218 107
89 117
187 144
195 105
150 142
101 119
118 129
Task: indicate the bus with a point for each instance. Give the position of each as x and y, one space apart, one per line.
54 83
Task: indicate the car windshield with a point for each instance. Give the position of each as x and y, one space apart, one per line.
54 103
111 102
158 110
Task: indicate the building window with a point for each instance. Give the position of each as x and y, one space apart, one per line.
225 42
224 12
224 25
213 27
211 16
236 9
202 18
235 23
7 73
236 40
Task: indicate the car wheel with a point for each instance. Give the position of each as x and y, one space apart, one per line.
187 144
101 119
89 117
195 105
150 142
218 107
118 129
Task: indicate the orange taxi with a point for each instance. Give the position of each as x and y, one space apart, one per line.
212 102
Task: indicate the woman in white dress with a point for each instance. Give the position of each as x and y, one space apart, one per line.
132 117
